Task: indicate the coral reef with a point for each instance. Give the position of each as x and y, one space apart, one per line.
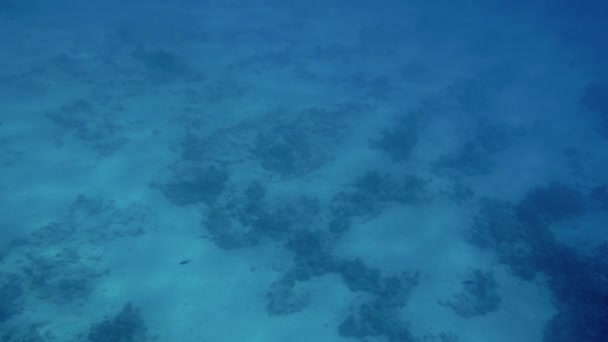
285 150
161 65
374 319
282 299
526 246
522 248
550 204
358 277
311 255
82 120
195 185
475 156
373 191
10 291
127 326
595 99
399 140
479 295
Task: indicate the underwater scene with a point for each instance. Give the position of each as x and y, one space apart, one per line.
304 171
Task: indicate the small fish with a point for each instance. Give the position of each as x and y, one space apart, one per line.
184 262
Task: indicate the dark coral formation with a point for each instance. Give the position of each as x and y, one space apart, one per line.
195 185
161 65
369 194
89 124
476 156
359 277
247 217
58 264
459 193
520 247
599 196
10 291
381 316
283 299
285 150
595 99
550 204
399 140
127 326
94 218
522 240
311 256
479 295
374 319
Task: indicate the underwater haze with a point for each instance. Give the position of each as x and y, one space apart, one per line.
277 170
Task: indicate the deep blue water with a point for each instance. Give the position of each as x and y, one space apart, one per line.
428 171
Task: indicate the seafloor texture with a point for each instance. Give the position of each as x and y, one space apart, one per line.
260 171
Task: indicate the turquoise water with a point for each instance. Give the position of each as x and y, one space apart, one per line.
201 171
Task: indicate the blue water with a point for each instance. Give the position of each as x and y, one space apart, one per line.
428 171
